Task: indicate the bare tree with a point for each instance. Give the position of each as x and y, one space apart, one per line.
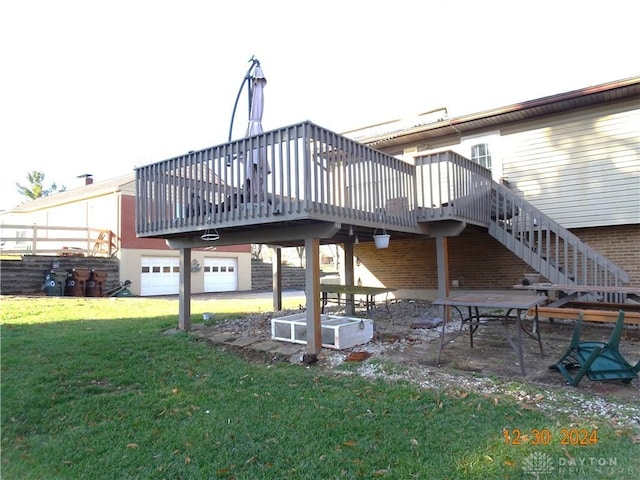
300 252
256 250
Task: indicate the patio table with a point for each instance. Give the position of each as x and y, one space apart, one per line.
370 293
513 306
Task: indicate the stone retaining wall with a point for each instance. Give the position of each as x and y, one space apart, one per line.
25 276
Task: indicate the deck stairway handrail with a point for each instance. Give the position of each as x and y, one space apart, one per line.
550 249
452 187
307 172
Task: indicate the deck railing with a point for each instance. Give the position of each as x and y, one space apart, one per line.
450 186
61 241
300 171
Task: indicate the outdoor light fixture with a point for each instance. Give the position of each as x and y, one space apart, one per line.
210 236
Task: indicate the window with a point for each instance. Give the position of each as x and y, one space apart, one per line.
481 155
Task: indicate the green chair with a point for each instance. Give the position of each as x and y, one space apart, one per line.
598 360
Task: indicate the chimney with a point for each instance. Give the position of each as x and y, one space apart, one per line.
88 178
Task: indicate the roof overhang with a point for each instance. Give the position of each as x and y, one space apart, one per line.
559 103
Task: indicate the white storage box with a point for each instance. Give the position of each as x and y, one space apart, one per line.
337 332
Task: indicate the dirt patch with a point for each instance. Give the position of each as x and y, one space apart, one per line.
491 367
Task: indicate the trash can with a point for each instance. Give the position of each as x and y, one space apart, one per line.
77 282
54 283
95 283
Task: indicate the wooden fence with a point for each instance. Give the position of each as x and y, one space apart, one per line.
57 241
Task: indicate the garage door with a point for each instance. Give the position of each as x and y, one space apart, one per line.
160 276
220 274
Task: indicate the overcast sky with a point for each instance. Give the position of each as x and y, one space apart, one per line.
102 87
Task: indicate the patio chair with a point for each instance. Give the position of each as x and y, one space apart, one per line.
598 360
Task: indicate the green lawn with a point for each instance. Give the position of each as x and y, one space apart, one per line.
94 389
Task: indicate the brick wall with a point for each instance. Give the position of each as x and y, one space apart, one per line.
619 244
478 261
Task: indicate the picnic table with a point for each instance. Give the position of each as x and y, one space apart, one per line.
369 293
598 303
569 293
513 305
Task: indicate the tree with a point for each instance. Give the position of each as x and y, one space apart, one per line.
256 250
36 186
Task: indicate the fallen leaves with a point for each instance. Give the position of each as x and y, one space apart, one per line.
357 356
458 393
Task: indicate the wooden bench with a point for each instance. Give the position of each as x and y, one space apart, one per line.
588 315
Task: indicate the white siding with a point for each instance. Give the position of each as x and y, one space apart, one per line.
583 169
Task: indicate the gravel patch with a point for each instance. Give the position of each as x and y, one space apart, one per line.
399 352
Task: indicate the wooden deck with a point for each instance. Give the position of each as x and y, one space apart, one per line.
303 181
309 177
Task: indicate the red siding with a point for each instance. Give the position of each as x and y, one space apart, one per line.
130 240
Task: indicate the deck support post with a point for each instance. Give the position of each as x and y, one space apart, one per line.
312 282
442 255
441 231
184 297
349 277
277 279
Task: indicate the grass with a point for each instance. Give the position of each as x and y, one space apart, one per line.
95 389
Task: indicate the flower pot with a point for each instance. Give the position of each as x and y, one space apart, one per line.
381 241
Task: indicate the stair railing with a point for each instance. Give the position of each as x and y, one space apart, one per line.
550 249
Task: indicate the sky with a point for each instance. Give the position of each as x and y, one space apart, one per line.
100 88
